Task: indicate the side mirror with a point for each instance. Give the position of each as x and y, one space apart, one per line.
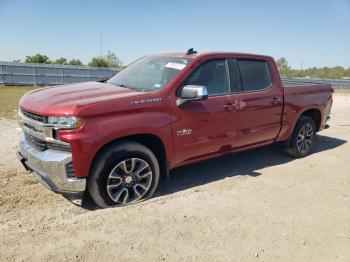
192 93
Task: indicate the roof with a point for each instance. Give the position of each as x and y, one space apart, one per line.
199 54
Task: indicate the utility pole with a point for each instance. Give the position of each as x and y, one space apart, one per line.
101 44
301 65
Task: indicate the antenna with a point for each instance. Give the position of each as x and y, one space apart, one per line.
191 51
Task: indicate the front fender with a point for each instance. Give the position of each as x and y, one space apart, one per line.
100 131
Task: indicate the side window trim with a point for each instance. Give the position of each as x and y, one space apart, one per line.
227 69
236 85
241 81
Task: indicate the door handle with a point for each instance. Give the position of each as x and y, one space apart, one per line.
231 106
228 106
236 105
275 101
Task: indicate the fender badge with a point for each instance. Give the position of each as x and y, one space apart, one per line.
184 132
146 101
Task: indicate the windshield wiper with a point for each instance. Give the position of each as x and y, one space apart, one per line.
129 87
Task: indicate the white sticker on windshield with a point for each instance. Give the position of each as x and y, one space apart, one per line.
177 66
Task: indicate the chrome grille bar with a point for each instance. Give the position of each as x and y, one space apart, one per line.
33 116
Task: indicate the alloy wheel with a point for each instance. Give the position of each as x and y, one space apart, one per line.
305 137
129 181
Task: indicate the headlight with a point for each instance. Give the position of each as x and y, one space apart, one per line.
65 121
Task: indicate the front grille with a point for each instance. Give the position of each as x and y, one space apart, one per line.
33 128
43 145
70 169
59 147
36 142
33 116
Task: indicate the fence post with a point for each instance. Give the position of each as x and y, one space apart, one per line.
62 77
35 81
2 74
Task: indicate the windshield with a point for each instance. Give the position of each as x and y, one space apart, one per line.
149 73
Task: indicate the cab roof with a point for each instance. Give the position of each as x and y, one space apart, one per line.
212 53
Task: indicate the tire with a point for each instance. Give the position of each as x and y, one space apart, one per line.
302 138
123 173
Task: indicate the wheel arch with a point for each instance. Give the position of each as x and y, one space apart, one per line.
314 113
151 141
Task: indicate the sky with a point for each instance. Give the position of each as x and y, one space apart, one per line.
308 33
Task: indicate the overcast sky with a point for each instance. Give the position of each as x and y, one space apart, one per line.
317 32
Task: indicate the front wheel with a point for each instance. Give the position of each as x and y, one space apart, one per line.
123 174
302 138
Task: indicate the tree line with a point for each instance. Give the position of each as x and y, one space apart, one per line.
108 60
336 72
111 60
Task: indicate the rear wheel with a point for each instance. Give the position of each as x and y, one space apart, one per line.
302 138
124 173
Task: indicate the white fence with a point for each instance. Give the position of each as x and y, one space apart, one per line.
49 74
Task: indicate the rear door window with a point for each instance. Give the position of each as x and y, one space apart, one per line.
255 74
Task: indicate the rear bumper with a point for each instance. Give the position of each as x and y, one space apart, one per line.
49 168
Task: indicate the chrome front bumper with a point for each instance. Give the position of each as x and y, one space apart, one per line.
49 168
326 122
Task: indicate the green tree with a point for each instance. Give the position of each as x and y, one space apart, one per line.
112 60
282 65
98 62
75 62
38 59
61 61
109 60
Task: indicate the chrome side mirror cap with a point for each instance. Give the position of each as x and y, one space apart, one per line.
192 93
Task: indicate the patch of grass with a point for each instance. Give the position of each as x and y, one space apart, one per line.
9 98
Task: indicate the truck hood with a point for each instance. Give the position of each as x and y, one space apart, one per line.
66 99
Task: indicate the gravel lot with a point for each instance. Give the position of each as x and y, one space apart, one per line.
259 205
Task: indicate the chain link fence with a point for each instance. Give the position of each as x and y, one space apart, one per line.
336 83
14 74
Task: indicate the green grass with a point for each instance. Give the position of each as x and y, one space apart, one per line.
9 98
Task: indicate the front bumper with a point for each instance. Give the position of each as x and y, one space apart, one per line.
326 122
49 168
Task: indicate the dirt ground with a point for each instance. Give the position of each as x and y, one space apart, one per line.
259 205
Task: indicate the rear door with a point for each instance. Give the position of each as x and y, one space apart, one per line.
260 103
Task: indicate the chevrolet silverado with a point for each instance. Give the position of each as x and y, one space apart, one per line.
114 139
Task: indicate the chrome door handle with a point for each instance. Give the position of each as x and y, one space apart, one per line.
275 101
236 105
228 106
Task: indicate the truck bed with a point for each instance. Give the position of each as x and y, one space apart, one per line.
299 96
287 82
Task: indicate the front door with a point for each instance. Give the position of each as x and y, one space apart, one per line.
203 128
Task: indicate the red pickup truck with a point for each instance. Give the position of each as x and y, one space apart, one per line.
114 139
